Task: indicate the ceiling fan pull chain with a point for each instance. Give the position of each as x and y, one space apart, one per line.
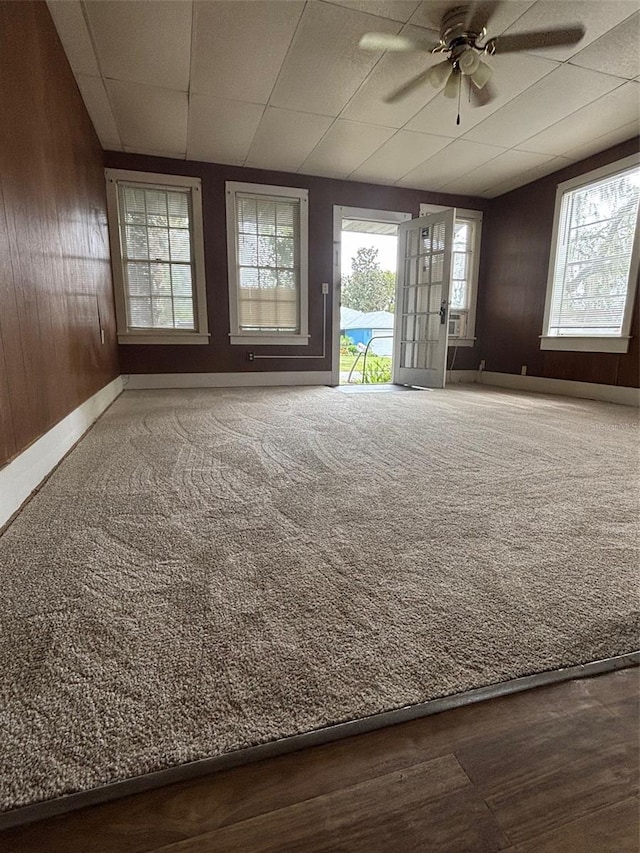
459 95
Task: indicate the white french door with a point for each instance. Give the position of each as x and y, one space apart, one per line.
422 300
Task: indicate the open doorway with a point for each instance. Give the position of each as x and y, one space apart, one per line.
365 269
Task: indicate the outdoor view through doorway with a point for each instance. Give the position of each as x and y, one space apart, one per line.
368 288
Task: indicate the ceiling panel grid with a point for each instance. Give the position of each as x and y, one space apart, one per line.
283 85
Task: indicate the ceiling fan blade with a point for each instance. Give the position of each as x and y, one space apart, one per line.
534 39
481 97
386 41
479 14
400 93
452 86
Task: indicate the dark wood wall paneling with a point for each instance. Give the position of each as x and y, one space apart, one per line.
515 255
220 355
55 274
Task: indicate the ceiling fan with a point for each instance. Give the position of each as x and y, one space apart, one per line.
463 36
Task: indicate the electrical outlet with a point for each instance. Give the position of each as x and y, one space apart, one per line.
481 368
251 356
523 370
325 288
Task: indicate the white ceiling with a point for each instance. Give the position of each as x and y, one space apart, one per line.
282 84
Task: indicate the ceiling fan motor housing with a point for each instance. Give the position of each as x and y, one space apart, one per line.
454 35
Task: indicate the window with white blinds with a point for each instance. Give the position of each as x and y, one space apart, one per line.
591 275
267 249
160 280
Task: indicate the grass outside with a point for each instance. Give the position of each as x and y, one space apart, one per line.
378 368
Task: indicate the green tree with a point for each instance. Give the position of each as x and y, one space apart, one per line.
368 288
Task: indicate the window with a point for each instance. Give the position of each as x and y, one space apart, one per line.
465 263
593 269
158 258
267 242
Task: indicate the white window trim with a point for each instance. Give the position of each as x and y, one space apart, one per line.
591 343
236 336
469 340
157 336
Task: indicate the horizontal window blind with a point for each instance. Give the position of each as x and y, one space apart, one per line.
596 231
156 225
268 259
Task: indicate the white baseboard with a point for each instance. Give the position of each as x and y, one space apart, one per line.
566 387
455 377
141 381
23 474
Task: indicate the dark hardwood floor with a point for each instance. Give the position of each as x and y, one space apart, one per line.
551 770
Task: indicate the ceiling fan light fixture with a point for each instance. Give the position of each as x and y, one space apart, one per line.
482 74
437 74
452 86
468 61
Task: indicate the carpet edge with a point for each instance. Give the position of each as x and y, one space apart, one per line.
338 731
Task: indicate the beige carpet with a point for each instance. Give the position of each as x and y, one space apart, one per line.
214 569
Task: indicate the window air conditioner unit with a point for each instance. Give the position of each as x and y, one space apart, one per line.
455 325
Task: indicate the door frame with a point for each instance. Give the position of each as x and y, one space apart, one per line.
424 376
341 212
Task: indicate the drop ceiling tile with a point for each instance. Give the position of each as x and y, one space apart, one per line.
95 100
143 42
429 14
344 148
404 151
508 166
616 52
221 131
552 165
392 72
612 110
458 158
551 99
512 74
285 139
597 16
325 66
395 10
72 28
239 47
149 117
612 137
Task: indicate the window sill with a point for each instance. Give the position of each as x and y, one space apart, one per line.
584 344
170 338
462 342
269 340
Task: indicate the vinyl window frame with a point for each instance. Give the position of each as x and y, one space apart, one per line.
591 343
236 335
157 335
463 214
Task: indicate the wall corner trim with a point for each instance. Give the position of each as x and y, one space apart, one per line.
22 475
140 381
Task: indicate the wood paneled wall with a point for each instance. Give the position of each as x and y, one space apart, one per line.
516 247
219 356
55 274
